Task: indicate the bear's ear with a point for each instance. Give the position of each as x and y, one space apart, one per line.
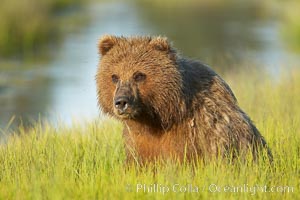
160 43
105 43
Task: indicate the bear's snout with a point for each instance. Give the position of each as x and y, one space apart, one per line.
124 107
121 104
124 102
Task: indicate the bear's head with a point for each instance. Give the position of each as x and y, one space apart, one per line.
138 79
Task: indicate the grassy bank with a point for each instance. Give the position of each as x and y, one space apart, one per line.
27 25
86 162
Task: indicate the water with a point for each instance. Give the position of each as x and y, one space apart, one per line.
64 88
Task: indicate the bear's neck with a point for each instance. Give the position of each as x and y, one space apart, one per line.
145 127
151 143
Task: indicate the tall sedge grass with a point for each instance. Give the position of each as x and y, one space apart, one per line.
87 161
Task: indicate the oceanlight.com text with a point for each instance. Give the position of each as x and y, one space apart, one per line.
211 188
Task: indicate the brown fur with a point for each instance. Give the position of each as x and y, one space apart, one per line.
175 107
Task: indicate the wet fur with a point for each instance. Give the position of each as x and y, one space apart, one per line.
182 110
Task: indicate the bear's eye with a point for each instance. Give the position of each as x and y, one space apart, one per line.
139 76
114 78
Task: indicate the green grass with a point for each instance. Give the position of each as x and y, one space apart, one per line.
86 161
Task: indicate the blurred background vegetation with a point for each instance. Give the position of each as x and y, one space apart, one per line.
48 48
27 25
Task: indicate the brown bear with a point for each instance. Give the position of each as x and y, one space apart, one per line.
171 107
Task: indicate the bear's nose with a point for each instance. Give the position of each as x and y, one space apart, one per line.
121 103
